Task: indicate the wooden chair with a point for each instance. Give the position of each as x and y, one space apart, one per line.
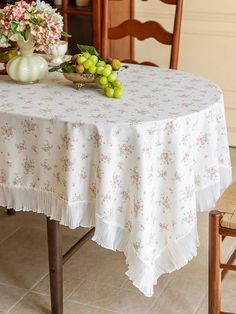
222 223
141 31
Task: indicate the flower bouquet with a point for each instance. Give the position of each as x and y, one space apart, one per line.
34 26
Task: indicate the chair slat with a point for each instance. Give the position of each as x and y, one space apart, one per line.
141 31
141 63
144 30
170 1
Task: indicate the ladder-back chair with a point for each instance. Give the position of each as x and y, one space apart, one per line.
222 224
144 30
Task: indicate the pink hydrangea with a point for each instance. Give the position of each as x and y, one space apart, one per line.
36 18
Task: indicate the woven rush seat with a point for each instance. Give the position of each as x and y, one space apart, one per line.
227 205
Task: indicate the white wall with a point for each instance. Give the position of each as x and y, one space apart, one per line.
208 44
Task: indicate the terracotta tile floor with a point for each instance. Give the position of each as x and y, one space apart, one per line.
94 280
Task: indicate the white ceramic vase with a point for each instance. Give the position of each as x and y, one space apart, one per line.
27 67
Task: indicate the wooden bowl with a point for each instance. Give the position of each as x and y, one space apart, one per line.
79 80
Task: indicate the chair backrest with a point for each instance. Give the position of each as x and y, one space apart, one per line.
144 30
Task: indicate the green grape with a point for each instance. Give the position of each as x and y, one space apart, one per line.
103 80
106 71
92 69
109 92
118 92
100 70
117 83
108 66
86 55
112 77
97 80
94 59
104 86
87 64
101 63
80 59
115 64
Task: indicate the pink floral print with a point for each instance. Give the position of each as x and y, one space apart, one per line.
139 167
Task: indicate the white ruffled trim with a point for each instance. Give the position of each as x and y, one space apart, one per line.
43 202
83 213
174 256
206 198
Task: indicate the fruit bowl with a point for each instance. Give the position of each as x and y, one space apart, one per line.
88 67
79 80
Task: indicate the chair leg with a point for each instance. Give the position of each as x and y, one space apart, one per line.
11 211
214 284
55 265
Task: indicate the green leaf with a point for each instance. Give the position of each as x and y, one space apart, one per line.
34 21
65 67
59 67
90 49
68 69
64 34
14 26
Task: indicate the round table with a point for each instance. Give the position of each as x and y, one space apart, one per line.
137 168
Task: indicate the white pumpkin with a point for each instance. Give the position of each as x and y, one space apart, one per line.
27 69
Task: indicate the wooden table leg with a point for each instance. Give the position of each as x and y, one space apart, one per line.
10 211
214 298
55 265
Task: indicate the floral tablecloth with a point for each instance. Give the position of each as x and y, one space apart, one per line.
137 169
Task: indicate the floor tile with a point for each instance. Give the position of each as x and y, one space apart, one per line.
96 293
203 309
24 256
36 221
228 300
229 293
33 303
69 285
93 262
7 230
26 245
161 285
23 275
182 295
71 236
39 304
76 308
9 296
22 219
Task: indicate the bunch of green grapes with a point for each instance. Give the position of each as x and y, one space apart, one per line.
105 72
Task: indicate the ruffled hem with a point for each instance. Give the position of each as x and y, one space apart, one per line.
174 256
143 275
83 213
79 214
206 198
